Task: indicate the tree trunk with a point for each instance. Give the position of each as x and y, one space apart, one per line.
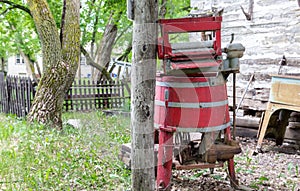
38 69
142 94
60 59
29 65
90 61
2 64
104 52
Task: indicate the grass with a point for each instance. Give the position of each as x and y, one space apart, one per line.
36 157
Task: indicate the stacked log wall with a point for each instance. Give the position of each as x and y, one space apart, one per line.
273 31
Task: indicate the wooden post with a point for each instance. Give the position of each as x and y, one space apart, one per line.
142 94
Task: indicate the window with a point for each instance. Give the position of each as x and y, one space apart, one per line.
82 60
19 59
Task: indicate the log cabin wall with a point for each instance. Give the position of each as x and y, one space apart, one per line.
272 31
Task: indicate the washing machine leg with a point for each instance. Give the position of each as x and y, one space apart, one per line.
165 156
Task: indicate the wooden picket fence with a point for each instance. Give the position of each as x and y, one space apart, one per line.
85 95
17 93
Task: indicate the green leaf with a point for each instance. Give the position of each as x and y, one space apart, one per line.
263 178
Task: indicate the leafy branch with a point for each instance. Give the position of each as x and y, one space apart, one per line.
14 6
92 63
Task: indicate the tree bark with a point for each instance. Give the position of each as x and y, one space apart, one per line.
39 71
142 94
124 56
95 28
90 61
71 41
2 64
29 65
106 46
60 59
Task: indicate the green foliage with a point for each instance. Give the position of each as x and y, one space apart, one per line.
177 8
247 163
56 9
36 157
102 10
95 15
18 29
18 32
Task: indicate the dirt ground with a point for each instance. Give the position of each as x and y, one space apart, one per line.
276 169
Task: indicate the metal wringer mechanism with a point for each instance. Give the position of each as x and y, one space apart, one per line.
191 97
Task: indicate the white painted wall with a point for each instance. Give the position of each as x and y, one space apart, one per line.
19 69
15 69
86 71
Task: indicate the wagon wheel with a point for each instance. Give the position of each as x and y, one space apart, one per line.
182 139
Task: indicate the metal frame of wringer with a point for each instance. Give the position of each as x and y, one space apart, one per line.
191 96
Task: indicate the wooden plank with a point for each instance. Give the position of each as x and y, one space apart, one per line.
285 90
250 104
122 94
108 94
28 95
71 94
80 95
101 104
119 89
90 93
96 103
292 134
115 95
246 132
84 96
13 96
2 92
22 96
17 94
74 103
125 152
6 97
198 166
9 93
259 94
97 96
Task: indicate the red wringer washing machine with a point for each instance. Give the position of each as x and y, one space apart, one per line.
191 97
